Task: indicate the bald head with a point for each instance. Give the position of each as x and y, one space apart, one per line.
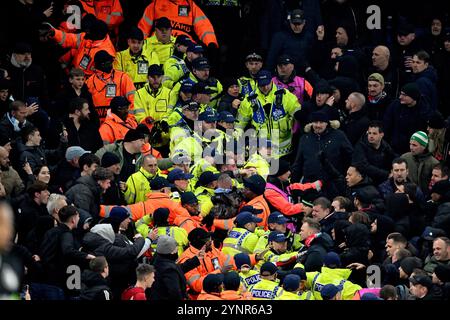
355 102
380 57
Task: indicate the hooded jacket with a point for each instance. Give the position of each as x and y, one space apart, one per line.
94 287
358 244
85 194
347 76
170 282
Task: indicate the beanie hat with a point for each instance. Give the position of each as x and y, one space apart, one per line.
411 90
420 137
198 237
101 57
319 116
133 135
441 187
160 216
212 282
109 159
443 273
256 184
166 245
240 259
408 264
283 167
119 214
436 121
228 82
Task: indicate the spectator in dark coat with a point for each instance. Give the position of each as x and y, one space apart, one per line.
383 65
294 42
377 99
170 282
397 206
332 143
34 153
440 194
442 65
316 245
122 259
30 209
59 248
231 98
113 195
405 116
94 285
81 130
86 193
425 77
374 155
67 172
357 244
357 122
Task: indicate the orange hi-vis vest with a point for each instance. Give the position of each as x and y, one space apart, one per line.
109 11
103 87
185 16
114 128
86 49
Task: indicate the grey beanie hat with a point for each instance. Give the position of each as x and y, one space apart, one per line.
166 245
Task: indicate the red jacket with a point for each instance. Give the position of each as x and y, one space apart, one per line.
134 293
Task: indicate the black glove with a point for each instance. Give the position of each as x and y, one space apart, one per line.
208 220
164 126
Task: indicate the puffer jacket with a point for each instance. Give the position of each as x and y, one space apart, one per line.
85 194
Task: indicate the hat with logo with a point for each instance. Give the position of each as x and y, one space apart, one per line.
187 87
190 105
253 57
246 217
207 116
284 59
195 48
264 78
297 16
200 63
420 137
277 217
183 40
430 233
201 88
277 236
227 117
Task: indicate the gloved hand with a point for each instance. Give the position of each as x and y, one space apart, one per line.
164 126
46 31
208 220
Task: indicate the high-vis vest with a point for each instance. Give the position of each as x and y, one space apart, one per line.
266 290
247 85
104 87
277 124
260 164
86 49
204 195
150 104
298 86
239 240
162 50
179 234
317 280
114 128
249 279
136 66
138 186
109 11
185 17
174 69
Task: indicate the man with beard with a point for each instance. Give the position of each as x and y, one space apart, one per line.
377 98
81 131
152 101
118 122
9 177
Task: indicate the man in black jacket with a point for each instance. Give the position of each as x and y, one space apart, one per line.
94 285
374 155
31 208
357 121
60 250
81 130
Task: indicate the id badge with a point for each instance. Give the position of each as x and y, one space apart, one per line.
85 62
142 67
183 11
110 90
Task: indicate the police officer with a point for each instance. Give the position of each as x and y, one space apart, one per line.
268 288
249 277
253 63
271 111
152 101
242 239
180 181
207 183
